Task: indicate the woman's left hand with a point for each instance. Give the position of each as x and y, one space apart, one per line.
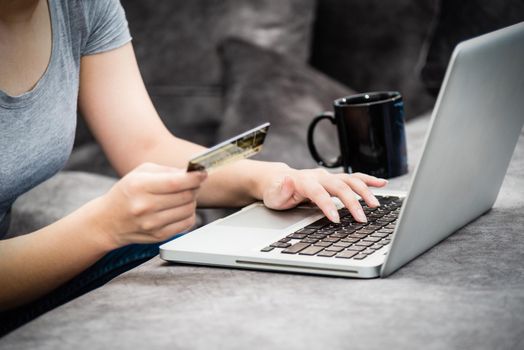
287 188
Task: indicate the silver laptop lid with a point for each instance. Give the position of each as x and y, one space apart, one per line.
475 125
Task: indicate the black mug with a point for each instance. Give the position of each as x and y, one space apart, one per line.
371 134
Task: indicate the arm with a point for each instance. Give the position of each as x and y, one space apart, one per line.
117 107
34 264
150 204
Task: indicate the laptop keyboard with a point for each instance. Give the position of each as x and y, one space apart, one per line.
347 240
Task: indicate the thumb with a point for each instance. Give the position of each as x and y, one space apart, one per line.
287 187
280 194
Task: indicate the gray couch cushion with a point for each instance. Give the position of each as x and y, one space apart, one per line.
262 85
175 43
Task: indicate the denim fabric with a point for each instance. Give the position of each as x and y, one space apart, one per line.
111 265
4 223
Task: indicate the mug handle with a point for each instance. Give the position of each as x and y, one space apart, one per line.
311 144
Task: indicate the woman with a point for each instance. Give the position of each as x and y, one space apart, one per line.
57 52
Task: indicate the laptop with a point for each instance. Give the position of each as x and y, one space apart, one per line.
475 125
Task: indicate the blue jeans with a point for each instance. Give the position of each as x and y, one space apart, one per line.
111 265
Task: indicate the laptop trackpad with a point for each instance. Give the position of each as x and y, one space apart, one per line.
261 217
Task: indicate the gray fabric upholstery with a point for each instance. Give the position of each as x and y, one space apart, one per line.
175 43
54 199
261 85
465 293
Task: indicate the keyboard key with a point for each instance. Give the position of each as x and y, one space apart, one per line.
285 240
297 235
331 239
319 223
346 254
334 249
364 243
327 230
368 251
312 250
371 239
385 230
342 244
338 235
267 249
350 239
325 253
360 256
306 230
323 244
309 240
295 248
343 212
280 245
379 234
382 222
357 248
365 231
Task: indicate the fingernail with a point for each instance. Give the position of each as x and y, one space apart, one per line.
361 216
334 216
386 181
375 202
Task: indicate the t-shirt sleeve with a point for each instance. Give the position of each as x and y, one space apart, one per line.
106 24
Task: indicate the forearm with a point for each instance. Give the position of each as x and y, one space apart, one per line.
233 185
34 264
237 184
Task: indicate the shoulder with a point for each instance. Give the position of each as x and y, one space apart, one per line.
102 24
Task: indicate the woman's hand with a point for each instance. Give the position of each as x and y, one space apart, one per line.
150 204
285 188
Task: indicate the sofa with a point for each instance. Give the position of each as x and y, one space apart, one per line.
214 68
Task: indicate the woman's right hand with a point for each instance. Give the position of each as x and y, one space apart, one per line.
150 204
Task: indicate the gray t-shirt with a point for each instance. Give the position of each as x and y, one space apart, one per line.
37 128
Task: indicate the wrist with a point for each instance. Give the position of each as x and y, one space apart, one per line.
264 175
101 230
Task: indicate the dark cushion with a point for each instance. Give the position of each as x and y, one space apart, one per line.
175 42
375 45
459 21
262 85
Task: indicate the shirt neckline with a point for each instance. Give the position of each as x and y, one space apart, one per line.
18 101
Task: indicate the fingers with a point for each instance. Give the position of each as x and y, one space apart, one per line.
167 201
318 194
157 168
320 185
370 180
158 220
359 187
343 191
176 227
164 182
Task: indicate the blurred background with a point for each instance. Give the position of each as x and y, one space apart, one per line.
217 67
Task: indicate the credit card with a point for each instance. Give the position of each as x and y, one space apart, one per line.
239 147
